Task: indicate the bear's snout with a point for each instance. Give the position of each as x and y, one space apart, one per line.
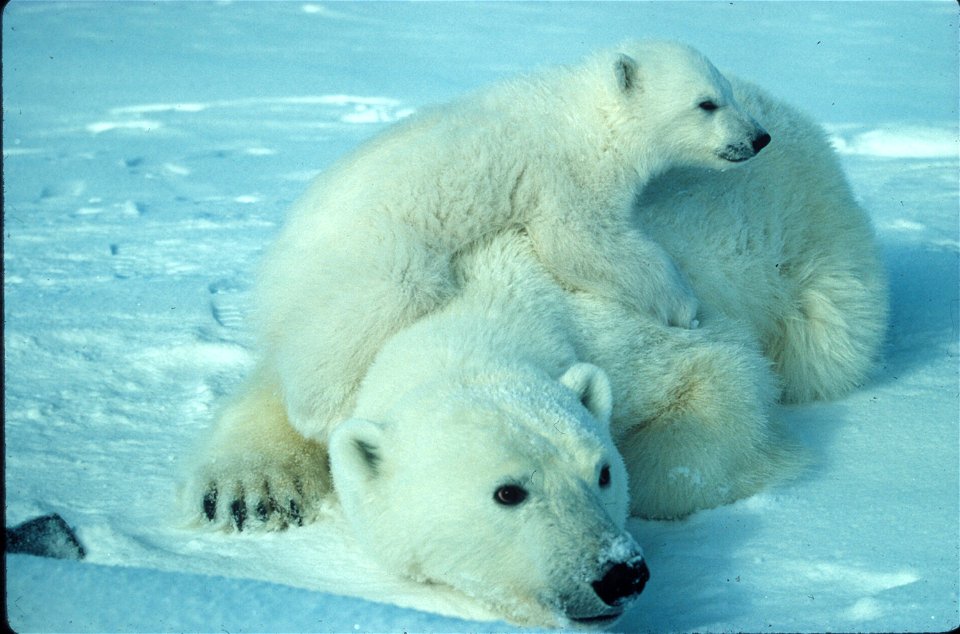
622 581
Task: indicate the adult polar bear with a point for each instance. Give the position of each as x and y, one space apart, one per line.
793 305
373 244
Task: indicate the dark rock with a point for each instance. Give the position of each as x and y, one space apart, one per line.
47 536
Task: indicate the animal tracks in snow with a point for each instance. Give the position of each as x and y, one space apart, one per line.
866 581
872 585
227 304
161 258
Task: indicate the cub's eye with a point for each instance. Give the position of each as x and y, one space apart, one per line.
510 495
707 106
604 480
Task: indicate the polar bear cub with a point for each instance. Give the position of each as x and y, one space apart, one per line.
374 243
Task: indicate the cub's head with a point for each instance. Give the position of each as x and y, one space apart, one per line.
670 105
507 488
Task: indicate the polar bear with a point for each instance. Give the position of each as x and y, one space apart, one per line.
781 245
793 307
479 455
374 242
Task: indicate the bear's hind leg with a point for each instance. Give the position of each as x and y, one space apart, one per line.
828 339
692 410
706 437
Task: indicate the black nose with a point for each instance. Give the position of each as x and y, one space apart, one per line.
760 142
622 581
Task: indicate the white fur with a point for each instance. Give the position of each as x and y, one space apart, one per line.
470 398
781 244
374 243
794 308
515 376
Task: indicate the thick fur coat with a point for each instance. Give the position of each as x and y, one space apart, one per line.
496 361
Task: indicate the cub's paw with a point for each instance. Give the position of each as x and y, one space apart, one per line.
252 492
682 312
675 304
653 285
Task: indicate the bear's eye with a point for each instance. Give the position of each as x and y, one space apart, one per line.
604 480
510 495
708 105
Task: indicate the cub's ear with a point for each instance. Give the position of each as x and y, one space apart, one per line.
356 450
627 73
592 386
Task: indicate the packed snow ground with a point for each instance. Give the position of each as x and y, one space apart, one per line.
150 151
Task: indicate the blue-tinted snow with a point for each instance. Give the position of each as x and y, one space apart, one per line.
150 150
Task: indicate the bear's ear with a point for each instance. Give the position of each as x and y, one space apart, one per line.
592 386
627 73
355 448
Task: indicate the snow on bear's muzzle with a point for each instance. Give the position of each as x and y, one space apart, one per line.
621 574
737 153
622 581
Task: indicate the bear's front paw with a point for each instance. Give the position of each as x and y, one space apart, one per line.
653 285
252 492
674 303
682 310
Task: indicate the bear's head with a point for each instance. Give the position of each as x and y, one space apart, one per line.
676 108
506 487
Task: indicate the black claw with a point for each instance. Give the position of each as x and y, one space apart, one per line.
295 515
239 512
263 510
210 503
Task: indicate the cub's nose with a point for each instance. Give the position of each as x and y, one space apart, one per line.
622 581
760 141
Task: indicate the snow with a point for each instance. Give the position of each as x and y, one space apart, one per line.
150 150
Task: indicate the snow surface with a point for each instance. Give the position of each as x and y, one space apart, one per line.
150 150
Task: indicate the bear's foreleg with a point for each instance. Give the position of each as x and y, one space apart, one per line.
615 261
255 470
